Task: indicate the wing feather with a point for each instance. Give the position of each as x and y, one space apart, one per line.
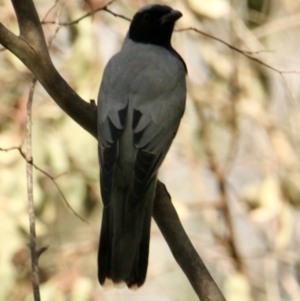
139 112
154 128
110 131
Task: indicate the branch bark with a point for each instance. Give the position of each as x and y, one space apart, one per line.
31 48
32 243
182 249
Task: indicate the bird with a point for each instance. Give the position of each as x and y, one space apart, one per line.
140 104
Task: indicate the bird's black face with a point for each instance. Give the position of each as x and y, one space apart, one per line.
154 24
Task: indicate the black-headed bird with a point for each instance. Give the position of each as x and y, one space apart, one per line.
140 104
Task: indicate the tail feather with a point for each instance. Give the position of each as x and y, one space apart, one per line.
144 251
104 252
124 239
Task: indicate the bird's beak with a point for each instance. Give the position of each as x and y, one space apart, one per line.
173 16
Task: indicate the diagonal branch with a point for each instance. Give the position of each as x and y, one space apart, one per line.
183 251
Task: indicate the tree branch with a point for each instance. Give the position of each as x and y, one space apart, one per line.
30 26
183 251
32 243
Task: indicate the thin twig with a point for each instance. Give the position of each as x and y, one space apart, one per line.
9 148
246 53
32 243
57 187
115 14
52 178
49 10
91 13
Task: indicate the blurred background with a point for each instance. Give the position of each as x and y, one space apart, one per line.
233 171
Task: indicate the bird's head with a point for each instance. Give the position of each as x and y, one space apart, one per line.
153 24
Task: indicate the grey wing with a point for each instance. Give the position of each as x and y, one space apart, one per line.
110 131
154 98
154 127
112 112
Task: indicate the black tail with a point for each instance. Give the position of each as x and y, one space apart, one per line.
124 240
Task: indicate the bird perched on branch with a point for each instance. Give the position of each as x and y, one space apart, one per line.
140 104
